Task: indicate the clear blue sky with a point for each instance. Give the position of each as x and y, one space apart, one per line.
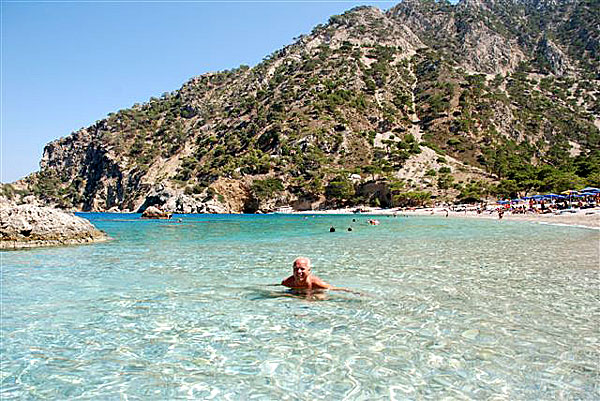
67 64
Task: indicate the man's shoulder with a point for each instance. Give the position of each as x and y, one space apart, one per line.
288 282
316 281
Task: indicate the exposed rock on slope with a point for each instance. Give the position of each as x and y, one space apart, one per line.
27 226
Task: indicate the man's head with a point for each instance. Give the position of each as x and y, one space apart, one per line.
302 268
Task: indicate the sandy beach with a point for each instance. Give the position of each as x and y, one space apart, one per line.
589 218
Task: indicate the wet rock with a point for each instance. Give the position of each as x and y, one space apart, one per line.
155 213
27 226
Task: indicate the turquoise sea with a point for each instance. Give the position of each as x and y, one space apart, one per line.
460 309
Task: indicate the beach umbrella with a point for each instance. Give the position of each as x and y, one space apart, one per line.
515 200
552 196
502 202
570 192
537 197
587 194
590 189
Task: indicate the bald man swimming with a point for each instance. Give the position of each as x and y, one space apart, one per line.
303 279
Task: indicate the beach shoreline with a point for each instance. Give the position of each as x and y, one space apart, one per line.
586 218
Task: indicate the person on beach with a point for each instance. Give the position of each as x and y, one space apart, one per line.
302 278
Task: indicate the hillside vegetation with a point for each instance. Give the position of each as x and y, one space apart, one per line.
427 101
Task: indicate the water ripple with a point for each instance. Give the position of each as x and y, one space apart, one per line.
449 310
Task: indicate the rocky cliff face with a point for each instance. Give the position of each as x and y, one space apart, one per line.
426 97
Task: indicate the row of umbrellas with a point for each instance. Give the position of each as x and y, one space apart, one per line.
588 191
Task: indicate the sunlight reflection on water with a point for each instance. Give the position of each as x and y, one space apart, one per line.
453 309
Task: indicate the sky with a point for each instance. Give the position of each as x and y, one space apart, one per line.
66 64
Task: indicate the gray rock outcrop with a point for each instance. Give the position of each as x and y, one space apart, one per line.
155 213
176 201
27 226
553 56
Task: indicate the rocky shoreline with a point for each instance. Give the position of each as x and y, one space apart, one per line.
27 226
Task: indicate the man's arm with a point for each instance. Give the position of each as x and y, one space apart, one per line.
345 290
318 283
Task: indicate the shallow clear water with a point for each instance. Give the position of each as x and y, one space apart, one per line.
451 309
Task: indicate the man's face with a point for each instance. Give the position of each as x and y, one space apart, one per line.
301 269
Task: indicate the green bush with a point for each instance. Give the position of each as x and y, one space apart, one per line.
445 181
412 198
265 189
340 188
7 190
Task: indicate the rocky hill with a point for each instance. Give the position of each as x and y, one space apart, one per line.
428 99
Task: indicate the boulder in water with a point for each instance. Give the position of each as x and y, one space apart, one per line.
155 213
28 226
